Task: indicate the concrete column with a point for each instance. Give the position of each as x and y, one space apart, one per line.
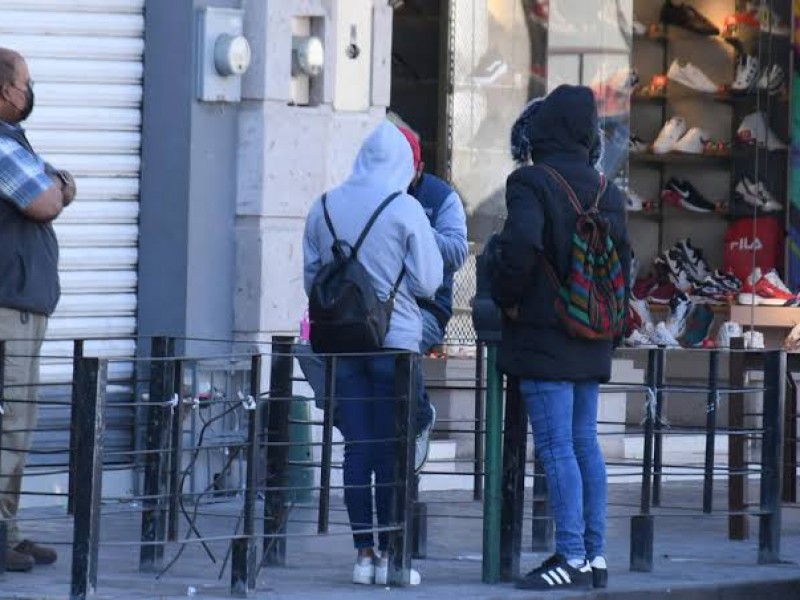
288 155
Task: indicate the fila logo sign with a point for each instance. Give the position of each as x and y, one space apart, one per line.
744 244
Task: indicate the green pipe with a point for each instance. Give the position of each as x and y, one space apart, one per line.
493 469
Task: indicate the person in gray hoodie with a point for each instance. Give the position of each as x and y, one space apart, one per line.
401 238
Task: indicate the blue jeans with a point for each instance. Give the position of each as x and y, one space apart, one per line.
365 397
432 335
563 416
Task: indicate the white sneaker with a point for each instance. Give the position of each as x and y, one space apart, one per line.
750 298
694 142
753 340
663 337
364 571
727 331
670 134
690 76
640 339
757 195
772 79
423 443
746 74
382 573
639 28
680 306
633 202
755 130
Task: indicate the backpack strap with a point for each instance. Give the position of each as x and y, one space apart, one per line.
371 222
573 197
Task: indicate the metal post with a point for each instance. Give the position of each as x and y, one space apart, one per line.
514 447
492 469
323 517
3 526
277 455
712 405
543 528
176 454
658 440
406 418
248 569
641 558
154 522
738 523
769 530
240 577
77 354
419 541
90 405
477 485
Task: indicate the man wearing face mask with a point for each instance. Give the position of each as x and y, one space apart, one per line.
32 195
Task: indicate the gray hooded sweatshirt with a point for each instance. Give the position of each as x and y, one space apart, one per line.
401 236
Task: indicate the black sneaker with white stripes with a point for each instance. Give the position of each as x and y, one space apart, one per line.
556 574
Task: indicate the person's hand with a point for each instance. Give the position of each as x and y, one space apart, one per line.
68 188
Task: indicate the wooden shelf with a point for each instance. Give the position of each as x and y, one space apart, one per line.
775 317
676 158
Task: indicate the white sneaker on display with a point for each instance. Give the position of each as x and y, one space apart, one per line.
755 130
382 573
772 79
753 340
727 331
746 73
663 337
756 194
670 134
633 202
693 142
639 28
690 76
364 571
680 306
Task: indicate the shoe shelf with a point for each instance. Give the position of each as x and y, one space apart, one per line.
663 309
779 317
677 158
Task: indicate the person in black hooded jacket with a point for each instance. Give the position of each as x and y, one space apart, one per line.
559 375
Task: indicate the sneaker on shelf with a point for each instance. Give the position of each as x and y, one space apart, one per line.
639 338
670 263
691 77
757 195
746 74
687 17
670 134
642 286
792 341
599 572
382 572
772 79
685 195
755 130
639 28
694 142
727 331
633 202
729 280
753 340
662 293
698 324
710 291
364 571
641 311
662 336
679 309
637 145
490 68
557 574
768 290
769 20
693 259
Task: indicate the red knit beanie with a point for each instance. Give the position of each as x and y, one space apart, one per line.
413 141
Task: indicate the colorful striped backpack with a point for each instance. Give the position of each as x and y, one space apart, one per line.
591 300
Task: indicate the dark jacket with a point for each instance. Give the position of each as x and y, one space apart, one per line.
540 225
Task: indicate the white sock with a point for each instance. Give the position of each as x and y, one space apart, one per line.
576 563
599 562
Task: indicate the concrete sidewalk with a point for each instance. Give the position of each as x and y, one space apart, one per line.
693 558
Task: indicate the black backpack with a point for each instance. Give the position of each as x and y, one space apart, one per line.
346 315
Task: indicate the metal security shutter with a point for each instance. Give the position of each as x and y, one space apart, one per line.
85 57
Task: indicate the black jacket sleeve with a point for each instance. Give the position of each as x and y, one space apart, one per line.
519 244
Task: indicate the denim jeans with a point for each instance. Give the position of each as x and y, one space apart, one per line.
365 398
563 416
432 335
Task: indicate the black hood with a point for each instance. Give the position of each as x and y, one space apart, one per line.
565 123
